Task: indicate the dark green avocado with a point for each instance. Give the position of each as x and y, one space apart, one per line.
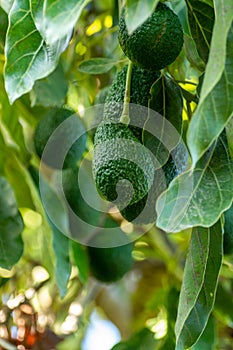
156 43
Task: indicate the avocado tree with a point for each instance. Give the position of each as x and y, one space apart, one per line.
116 173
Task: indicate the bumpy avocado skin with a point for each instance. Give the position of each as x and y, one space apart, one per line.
228 232
146 206
119 156
110 264
156 43
141 82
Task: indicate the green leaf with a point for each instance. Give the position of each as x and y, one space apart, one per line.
216 103
199 284
54 205
3 281
50 91
198 197
11 226
56 19
63 265
192 54
166 99
16 173
224 303
201 21
11 243
6 5
28 58
207 341
137 11
99 65
229 131
8 205
144 339
81 260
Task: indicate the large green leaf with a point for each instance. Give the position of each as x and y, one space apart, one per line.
198 197
11 227
56 19
216 102
63 265
208 339
199 285
28 58
201 21
137 11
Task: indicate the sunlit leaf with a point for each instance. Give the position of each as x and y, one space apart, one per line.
56 19
137 11
99 65
6 5
81 260
198 197
199 284
28 58
216 105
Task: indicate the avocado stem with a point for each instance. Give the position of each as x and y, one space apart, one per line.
125 119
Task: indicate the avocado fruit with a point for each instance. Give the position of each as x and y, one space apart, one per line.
57 145
122 167
156 42
109 264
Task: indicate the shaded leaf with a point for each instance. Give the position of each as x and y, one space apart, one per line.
137 12
99 65
144 339
11 244
63 265
11 227
50 91
216 105
207 341
192 54
199 284
198 197
28 57
229 131
56 19
224 302
8 205
201 21
3 28
3 281
166 99
81 260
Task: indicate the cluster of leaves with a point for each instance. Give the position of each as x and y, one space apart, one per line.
54 53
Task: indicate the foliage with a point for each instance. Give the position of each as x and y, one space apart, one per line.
177 294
